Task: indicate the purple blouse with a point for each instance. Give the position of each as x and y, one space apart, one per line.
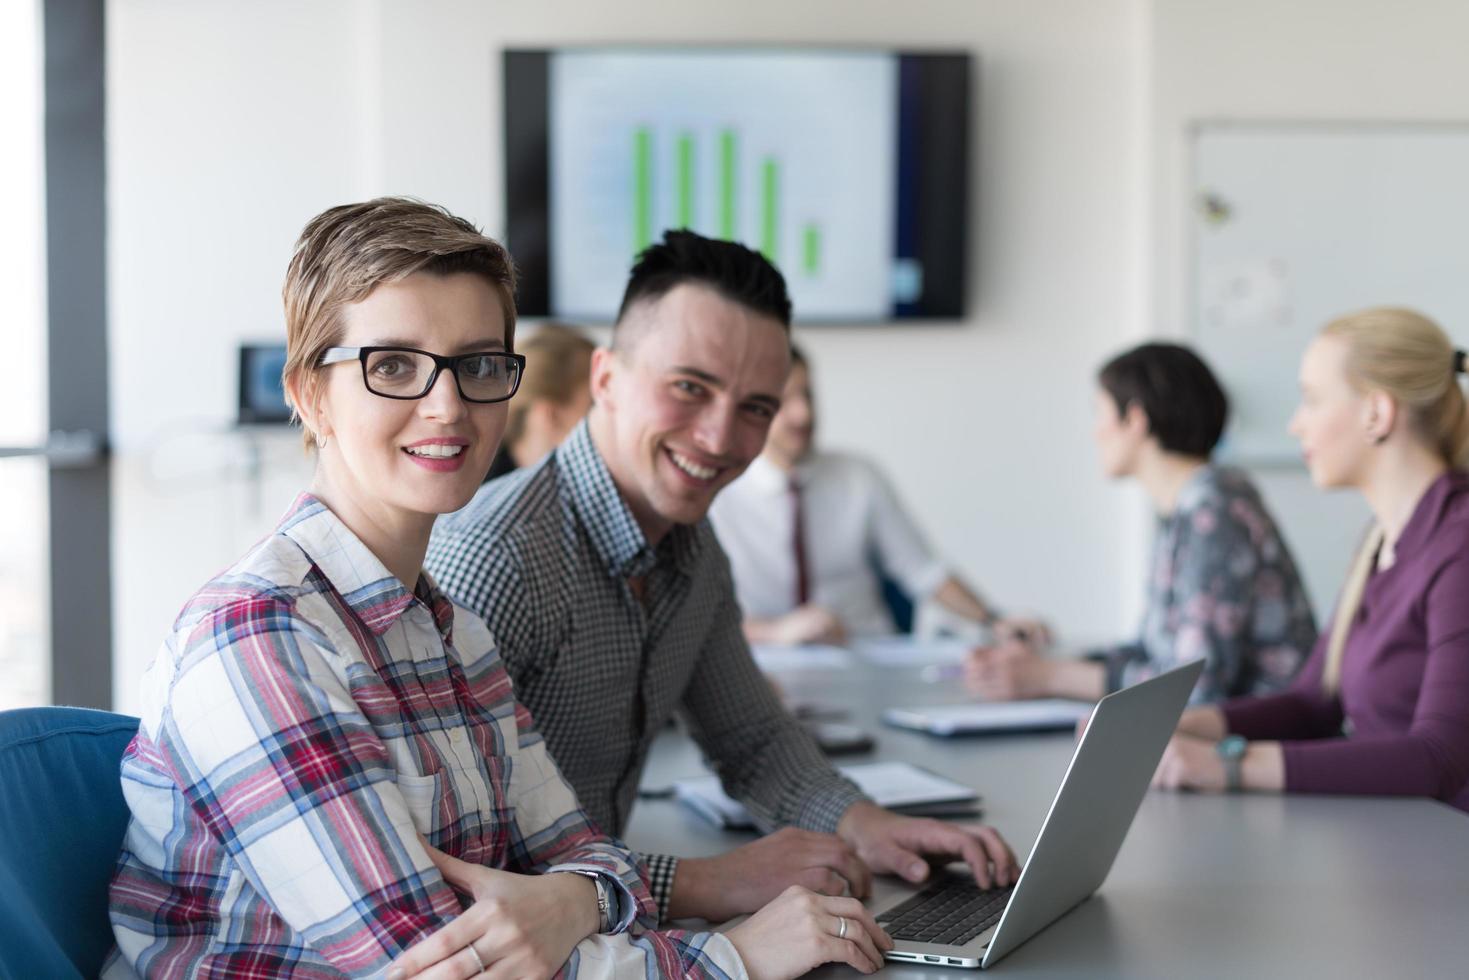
1400 725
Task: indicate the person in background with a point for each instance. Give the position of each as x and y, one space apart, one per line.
1382 706
612 603
553 396
807 532
330 752
1223 585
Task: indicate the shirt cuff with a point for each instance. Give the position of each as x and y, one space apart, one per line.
925 581
822 811
661 870
1114 665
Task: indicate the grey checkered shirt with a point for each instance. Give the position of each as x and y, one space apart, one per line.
544 556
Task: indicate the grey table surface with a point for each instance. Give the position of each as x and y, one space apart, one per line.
1205 886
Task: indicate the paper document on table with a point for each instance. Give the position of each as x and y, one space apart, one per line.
1050 714
907 651
895 785
772 658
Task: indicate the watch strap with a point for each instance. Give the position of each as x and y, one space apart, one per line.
1232 780
1231 751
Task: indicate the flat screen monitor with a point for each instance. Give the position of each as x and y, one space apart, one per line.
847 168
262 399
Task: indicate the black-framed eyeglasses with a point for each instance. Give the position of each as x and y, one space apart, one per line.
408 373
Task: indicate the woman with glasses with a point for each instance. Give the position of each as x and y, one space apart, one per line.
332 776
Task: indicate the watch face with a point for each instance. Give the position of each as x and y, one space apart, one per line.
1231 746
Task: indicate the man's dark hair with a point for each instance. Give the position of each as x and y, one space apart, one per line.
737 273
1185 405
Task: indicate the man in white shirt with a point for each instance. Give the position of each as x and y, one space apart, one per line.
808 531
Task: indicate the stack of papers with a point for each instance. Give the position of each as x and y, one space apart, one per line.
909 651
898 786
1048 714
773 658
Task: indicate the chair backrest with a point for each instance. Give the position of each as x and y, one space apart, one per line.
62 819
899 603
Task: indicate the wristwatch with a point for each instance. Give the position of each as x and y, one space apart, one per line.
1231 749
604 898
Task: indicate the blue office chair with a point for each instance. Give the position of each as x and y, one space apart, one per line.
62 818
894 596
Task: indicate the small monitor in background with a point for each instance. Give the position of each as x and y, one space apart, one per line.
262 399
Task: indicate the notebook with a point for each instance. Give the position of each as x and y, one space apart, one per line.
898 786
1048 714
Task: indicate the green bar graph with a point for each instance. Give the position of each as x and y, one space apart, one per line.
769 208
642 192
811 249
677 201
727 160
685 190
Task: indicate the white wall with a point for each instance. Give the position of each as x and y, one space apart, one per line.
228 126
1296 60
232 124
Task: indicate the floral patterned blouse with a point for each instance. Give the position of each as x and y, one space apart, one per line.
1223 586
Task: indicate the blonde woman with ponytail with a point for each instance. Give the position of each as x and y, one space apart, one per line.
554 395
1382 706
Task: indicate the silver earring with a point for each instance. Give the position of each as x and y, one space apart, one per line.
321 442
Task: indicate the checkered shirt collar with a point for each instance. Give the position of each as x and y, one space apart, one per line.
373 593
615 534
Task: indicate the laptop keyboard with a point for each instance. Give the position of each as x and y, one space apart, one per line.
951 913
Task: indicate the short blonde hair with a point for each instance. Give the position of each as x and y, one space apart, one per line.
554 371
1409 357
347 251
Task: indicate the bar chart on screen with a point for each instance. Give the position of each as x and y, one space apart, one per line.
685 153
767 149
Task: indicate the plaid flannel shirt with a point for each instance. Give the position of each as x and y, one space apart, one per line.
545 555
305 722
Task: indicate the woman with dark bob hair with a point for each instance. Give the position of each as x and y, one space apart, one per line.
1222 586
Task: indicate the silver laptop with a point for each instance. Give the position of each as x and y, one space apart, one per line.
953 923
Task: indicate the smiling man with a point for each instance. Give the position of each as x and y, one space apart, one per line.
613 604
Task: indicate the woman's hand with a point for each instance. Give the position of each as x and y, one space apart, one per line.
1190 763
1204 721
520 925
801 930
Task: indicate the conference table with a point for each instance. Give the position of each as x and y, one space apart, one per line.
1249 885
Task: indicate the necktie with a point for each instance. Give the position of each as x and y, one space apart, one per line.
798 545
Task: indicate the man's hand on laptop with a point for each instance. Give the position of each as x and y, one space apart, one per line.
890 843
749 877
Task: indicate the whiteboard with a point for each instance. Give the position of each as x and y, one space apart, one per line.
1294 224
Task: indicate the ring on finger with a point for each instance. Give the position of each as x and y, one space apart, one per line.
841 927
477 961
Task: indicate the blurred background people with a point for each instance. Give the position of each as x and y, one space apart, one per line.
1222 586
1382 706
811 535
553 396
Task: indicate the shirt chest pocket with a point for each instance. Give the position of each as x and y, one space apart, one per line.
424 796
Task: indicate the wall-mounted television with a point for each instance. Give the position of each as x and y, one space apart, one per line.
849 168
